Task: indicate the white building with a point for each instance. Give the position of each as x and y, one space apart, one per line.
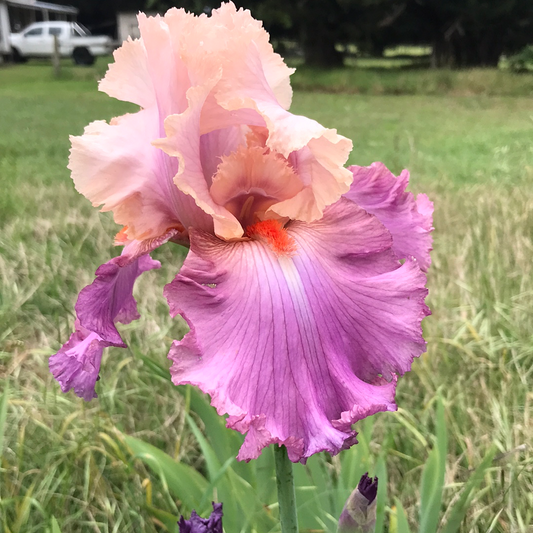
17 14
127 25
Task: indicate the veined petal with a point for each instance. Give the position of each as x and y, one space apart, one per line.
77 365
109 298
377 190
296 348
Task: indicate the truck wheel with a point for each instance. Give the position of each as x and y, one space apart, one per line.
82 56
17 56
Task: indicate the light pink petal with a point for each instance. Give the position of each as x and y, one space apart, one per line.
217 144
295 348
318 151
77 365
128 78
149 71
109 298
116 166
166 69
241 23
183 142
377 190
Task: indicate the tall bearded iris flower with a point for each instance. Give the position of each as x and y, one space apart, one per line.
304 284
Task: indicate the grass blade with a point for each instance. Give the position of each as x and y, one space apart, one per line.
381 473
3 415
460 508
433 477
402 525
54 526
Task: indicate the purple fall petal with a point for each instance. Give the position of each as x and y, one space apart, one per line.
296 349
77 365
377 190
196 524
109 298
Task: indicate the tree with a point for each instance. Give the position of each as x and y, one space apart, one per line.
467 33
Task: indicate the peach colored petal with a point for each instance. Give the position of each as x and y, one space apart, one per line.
244 27
114 165
317 153
183 143
250 180
128 77
166 68
202 78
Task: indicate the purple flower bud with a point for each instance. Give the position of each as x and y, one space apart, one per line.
359 513
368 487
196 524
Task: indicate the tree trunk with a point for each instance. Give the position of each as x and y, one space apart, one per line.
442 55
468 50
319 38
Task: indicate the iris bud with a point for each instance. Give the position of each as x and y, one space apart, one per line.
196 524
359 513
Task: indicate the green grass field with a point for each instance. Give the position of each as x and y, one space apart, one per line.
472 152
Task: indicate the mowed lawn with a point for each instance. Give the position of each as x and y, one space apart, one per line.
472 154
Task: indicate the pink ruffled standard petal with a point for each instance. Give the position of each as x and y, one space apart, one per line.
115 165
296 343
377 190
239 82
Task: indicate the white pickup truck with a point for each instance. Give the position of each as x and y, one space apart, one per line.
37 40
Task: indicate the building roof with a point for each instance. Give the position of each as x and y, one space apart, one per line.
36 4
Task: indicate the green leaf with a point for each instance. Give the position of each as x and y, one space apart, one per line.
460 508
225 442
402 525
54 526
357 460
169 521
242 507
265 477
433 477
183 481
155 368
211 460
381 499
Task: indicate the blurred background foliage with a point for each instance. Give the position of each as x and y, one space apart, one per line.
460 33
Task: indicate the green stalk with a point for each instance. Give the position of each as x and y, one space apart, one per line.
286 494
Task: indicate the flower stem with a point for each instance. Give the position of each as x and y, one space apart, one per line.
286 494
